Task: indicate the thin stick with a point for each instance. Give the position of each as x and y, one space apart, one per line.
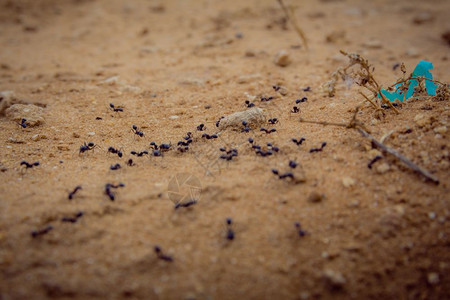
291 16
406 161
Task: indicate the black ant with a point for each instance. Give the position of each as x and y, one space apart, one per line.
298 142
99 118
301 232
267 131
262 153
136 131
162 256
292 164
110 186
115 167
266 99
186 204
374 160
86 147
165 147
304 99
43 231
188 136
250 140
23 123
130 162
276 88
201 127
318 149
183 149
139 154
307 89
208 137
116 109
157 153
115 151
76 189
272 147
28 165
249 104
218 121
273 121
72 219
230 232
295 110
283 176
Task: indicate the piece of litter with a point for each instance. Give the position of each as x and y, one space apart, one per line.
422 70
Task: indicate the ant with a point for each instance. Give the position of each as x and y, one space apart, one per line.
183 149
139 154
115 151
249 104
136 131
318 149
218 121
208 137
276 88
374 160
283 176
162 256
266 98
130 162
76 189
116 109
272 147
304 99
201 127
165 147
43 231
301 232
230 232
292 164
157 153
23 123
28 165
262 153
298 142
110 186
273 121
250 140
295 110
187 204
74 219
307 89
115 167
86 147
267 131
99 118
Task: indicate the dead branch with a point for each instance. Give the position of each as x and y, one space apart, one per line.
290 15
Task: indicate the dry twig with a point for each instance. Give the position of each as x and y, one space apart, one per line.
290 14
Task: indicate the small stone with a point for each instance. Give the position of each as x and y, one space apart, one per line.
91 133
75 135
315 197
32 113
248 78
253 116
282 58
63 147
282 90
423 17
6 98
348 182
38 137
412 52
173 117
333 279
440 129
382 168
373 44
433 278
432 215
422 120
250 53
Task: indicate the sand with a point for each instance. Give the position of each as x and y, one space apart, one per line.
380 233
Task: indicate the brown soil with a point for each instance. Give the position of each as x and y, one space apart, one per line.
370 234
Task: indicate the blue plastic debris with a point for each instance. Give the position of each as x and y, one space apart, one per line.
422 70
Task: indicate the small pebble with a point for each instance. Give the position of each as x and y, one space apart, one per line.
282 58
315 197
440 129
348 182
382 168
433 278
335 280
91 133
173 117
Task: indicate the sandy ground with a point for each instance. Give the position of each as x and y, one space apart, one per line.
380 233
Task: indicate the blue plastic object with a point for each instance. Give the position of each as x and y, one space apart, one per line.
422 70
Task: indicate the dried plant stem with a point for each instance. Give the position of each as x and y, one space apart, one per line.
358 126
290 15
